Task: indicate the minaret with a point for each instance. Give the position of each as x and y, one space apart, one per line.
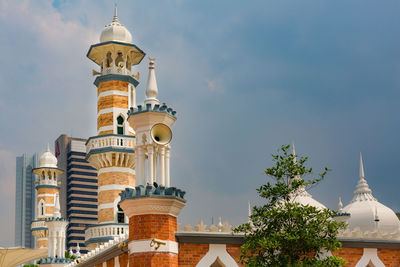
47 190
111 151
153 206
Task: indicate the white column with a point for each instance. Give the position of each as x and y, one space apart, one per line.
50 243
167 182
59 246
161 161
53 240
150 159
140 179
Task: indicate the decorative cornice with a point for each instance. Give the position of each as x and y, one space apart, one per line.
50 260
115 77
101 150
157 108
151 191
106 135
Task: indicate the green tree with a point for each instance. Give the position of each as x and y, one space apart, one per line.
283 232
69 255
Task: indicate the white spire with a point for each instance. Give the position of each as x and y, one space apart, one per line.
340 205
151 89
362 192
115 19
294 153
48 147
57 213
361 167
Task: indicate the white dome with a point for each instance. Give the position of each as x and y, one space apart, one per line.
115 32
304 198
369 218
47 159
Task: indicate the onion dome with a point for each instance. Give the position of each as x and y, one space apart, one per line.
47 159
302 196
368 217
115 31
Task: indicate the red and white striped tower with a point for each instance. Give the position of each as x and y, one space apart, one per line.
153 206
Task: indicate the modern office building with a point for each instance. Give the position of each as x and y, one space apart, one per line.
25 200
78 190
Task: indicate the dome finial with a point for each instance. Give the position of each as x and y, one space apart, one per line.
340 205
361 167
48 147
115 19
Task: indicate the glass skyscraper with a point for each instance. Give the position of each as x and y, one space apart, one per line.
25 200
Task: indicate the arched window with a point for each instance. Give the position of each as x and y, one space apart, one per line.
120 215
119 61
120 125
109 60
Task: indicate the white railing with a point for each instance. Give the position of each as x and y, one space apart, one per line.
106 230
38 224
119 141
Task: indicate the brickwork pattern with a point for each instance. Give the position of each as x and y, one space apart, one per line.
351 255
234 251
106 119
389 257
151 259
41 243
112 85
105 215
112 101
122 178
108 196
152 226
190 253
123 260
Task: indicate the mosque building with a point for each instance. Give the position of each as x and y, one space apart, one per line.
138 204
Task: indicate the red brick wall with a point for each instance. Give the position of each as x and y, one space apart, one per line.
152 226
389 257
190 254
151 259
123 260
351 255
234 251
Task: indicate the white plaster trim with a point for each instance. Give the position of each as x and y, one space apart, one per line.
41 239
370 254
116 262
139 246
105 264
214 251
114 187
112 110
106 128
106 222
113 92
115 169
49 205
106 206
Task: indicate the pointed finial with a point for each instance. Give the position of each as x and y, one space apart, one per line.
78 251
115 19
340 205
48 147
151 89
361 168
57 213
294 153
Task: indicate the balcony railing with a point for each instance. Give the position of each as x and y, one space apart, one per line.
106 230
110 140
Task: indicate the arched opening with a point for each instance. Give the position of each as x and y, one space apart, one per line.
109 60
41 208
217 263
119 61
120 125
120 215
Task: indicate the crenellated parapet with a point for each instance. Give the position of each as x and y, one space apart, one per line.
156 108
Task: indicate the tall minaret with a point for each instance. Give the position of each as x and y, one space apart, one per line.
111 151
47 190
153 206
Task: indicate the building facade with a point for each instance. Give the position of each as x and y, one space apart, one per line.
25 200
78 193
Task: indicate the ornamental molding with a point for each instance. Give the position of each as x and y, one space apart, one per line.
152 205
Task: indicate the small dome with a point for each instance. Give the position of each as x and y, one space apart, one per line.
304 198
47 159
369 218
115 32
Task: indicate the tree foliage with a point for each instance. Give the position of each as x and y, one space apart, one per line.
283 232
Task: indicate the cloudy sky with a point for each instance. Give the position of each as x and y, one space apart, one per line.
244 77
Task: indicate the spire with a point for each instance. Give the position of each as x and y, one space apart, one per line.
362 192
57 213
151 89
48 147
340 205
361 167
115 19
